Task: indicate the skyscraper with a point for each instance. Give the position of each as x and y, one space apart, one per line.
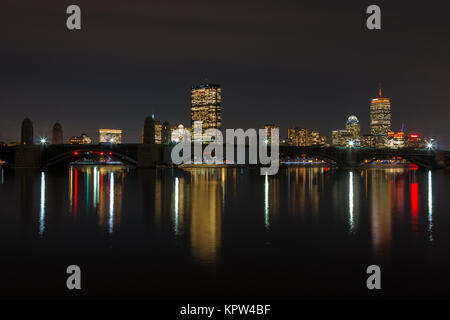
148 136
158 132
206 102
298 136
166 132
380 115
57 134
27 132
269 128
352 125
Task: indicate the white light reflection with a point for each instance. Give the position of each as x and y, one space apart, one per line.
266 202
430 206
71 187
95 187
177 194
42 206
350 202
111 203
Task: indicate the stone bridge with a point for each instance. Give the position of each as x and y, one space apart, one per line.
43 156
150 155
356 157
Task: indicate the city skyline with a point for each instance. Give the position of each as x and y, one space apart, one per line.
282 64
205 108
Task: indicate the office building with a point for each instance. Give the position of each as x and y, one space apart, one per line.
113 136
317 139
298 136
380 115
166 132
83 139
268 128
206 100
352 125
179 133
341 138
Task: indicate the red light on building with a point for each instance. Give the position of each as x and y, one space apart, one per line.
75 153
102 153
110 153
413 136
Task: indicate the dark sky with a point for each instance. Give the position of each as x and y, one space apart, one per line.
293 63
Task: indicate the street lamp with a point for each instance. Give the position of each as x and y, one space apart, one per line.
430 144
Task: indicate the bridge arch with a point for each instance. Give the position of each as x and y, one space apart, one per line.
67 157
317 153
422 161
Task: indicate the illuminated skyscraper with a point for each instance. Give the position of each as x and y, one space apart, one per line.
317 139
83 139
340 138
166 132
353 127
206 102
158 132
179 133
269 128
380 115
298 136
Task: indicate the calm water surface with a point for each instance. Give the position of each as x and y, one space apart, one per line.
224 233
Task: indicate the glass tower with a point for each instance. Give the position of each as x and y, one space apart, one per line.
380 115
206 102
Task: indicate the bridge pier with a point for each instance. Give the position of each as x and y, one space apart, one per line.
350 160
28 157
440 160
149 155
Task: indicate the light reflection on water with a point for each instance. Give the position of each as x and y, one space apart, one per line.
195 202
101 189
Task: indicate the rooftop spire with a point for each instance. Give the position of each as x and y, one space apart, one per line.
379 91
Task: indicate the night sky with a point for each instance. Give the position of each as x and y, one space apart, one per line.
292 63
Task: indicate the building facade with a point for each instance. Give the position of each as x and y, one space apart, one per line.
113 136
179 133
395 140
380 115
368 141
166 132
83 139
352 125
206 106
298 137
158 132
317 139
268 128
341 138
